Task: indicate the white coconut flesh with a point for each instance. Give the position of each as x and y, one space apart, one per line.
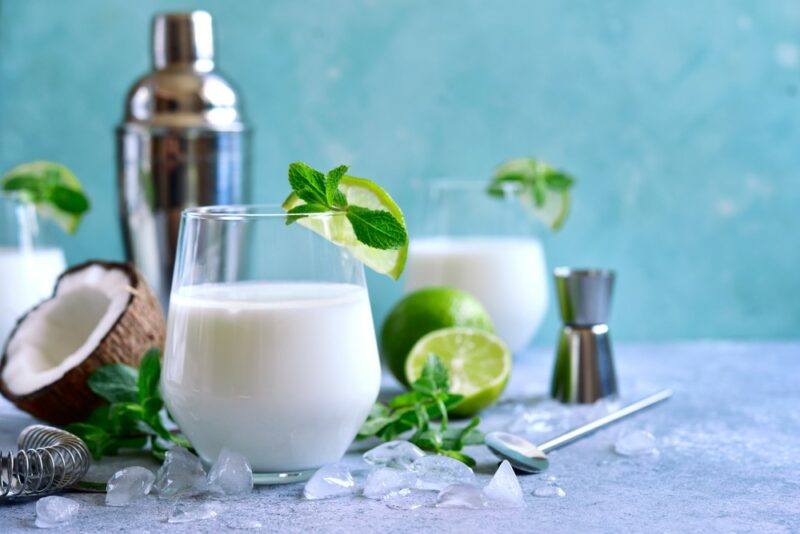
63 331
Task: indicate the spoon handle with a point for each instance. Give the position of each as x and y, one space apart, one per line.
582 431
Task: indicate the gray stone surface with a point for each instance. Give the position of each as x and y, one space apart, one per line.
729 460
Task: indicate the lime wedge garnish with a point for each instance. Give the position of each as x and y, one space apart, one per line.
337 229
553 212
542 189
479 363
52 188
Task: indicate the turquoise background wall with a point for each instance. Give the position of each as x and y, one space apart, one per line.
680 119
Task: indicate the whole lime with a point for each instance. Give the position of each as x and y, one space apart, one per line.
424 311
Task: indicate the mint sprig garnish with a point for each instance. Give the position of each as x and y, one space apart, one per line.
320 191
536 183
135 415
52 187
416 412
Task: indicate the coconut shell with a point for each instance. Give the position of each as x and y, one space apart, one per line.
139 328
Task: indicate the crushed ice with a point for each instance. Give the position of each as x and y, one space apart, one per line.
503 489
384 480
181 473
550 488
332 480
190 511
230 475
55 511
129 485
437 472
636 443
461 496
399 454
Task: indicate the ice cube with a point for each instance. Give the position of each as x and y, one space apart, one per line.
241 523
504 489
332 480
188 511
636 443
409 499
398 453
437 472
549 489
129 485
461 496
230 474
181 474
55 511
384 480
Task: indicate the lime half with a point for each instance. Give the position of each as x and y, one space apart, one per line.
479 364
337 229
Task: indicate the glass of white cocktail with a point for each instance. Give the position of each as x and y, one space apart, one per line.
270 347
487 245
29 263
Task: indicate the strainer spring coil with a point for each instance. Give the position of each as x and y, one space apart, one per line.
48 460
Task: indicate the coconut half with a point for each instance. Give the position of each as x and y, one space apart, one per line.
100 313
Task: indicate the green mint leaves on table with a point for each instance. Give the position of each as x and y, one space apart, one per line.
320 191
416 411
537 183
52 187
134 417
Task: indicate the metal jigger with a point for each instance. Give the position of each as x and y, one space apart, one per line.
584 367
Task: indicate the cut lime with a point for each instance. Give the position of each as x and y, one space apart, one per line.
366 194
421 312
531 178
479 364
52 188
553 212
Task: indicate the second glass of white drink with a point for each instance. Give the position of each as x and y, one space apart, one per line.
270 347
485 245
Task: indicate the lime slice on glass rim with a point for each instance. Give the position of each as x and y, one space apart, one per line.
553 212
337 229
542 189
479 363
52 188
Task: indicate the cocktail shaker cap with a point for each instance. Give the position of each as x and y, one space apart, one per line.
183 90
183 38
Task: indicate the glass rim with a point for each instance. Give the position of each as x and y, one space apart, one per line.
466 184
239 212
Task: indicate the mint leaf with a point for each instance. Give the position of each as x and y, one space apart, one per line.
376 228
436 373
558 181
149 375
302 210
135 415
307 183
416 411
115 383
68 200
52 187
332 193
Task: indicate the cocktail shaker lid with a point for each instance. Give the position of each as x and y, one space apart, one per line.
184 90
183 39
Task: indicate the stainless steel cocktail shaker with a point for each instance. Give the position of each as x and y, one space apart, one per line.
184 142
584 367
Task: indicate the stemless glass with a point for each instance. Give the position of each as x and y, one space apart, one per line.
29 262
486 245
270 348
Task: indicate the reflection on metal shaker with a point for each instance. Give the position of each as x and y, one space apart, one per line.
184 142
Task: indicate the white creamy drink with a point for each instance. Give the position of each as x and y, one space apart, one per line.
284 373
26 278
507 274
